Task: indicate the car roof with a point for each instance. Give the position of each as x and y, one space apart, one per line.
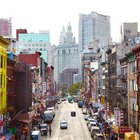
99 134
95 127
43 124
35 132
92 122
91 119
63 121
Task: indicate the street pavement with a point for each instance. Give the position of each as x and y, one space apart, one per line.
77 128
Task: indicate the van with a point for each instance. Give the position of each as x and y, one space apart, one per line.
35 135
51 109
48 116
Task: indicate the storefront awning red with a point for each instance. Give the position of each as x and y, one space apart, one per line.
2 138
1 123
25 121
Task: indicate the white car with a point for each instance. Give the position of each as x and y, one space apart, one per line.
90 120
98 136
94 130
92 124
86 117
84 111
63 124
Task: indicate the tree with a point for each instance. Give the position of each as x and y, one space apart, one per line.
63 90
74 88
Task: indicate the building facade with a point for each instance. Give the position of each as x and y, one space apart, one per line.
29 43
93 28
3 90
20 31
6 27
66 54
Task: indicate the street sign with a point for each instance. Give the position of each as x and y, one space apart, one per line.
44 86
102 100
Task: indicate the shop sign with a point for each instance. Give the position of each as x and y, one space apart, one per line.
124 129
44 86
1 129
1 117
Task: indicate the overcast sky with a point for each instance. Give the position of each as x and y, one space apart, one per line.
53 14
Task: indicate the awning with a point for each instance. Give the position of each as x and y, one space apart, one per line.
8 136
114 128
2 138
1 123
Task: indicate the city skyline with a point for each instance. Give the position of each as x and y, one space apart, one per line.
53 15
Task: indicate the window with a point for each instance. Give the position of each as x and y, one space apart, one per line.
63 51
132 82
132 65
1 61
1 81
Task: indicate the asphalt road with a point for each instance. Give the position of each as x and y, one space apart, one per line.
77 128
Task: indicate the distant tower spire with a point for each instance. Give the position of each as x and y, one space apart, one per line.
62 38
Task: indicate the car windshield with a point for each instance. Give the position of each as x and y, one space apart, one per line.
93 124
63 122
100 138
43 126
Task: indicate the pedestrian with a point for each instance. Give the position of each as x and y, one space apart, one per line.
50 130
46 130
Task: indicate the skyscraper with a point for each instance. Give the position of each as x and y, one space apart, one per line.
6 27
93 28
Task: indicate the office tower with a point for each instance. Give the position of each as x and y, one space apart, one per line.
93 28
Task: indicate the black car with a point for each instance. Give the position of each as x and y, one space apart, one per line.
73 113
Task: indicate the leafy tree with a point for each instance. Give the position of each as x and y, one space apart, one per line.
63 90
74 88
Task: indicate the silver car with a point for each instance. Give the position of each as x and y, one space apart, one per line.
63 124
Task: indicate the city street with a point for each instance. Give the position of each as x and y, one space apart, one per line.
77 129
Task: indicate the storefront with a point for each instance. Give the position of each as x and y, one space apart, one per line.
120 131
129 136
2 138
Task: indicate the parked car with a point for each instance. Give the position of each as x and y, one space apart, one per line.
91 124
94 130
63 124
90 120
35 135
98 136
73 113
43 129
84 111
86 117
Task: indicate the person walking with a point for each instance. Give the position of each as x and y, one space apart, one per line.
46 130
50 130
